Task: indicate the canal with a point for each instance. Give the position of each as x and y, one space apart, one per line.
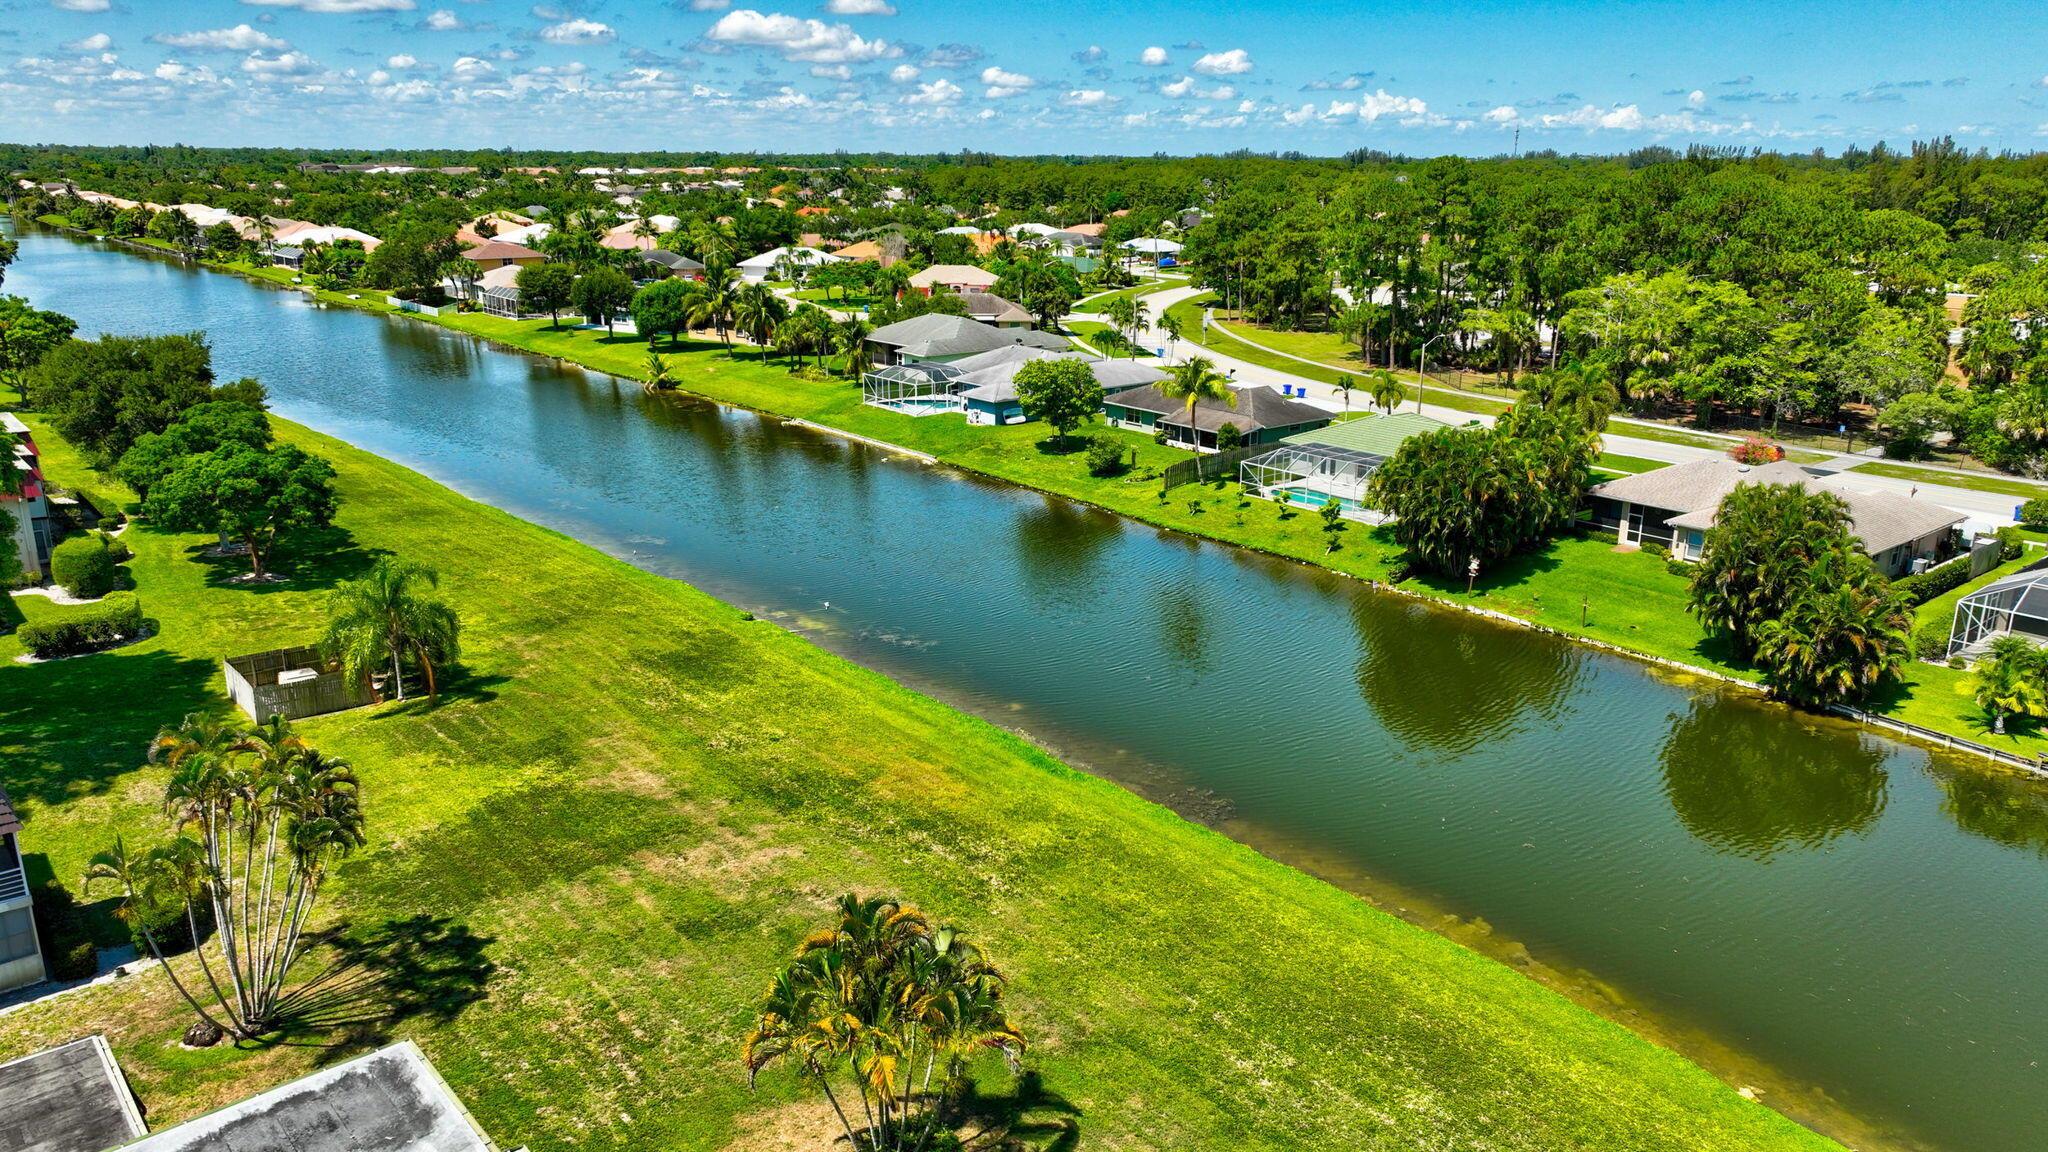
1852 925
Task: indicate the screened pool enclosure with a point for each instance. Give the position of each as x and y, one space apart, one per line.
918 389
1314 475
2016 605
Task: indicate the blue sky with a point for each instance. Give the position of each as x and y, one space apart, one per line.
1134 76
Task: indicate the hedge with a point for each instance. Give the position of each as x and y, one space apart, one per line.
86 566
1921 587
116 618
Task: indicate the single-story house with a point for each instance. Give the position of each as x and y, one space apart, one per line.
30 505
1335 462
995 311
987 386
763 267
1152 246
527 234
489 225
299 234
960 278
286 256
1261 416
71 1098
939 337
1676 506
864 250
660 262
21 955
498 253
1095 230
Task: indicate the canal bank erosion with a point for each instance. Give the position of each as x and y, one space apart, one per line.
1729 870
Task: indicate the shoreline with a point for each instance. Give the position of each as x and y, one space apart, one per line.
1895 729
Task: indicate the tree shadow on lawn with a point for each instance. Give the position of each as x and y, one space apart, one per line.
73 727
454 688
309 558
1029 1116
1075 443
10 615
374 980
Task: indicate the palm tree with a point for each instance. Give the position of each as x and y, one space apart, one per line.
850 339
1193 382
388 615
1581 388
1387 392
1169 326
658 379
2009 681
713 308
758 311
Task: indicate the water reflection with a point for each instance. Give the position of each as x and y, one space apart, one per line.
1449 684
2005 810
1184 627
1754 790
1061 548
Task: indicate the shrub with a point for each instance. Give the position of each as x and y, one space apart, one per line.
1930 641
1159 434
1756 450
87 566
1921 587
1679 568
116 618
2010 543
2034 513
1105 456
68 950
1657 548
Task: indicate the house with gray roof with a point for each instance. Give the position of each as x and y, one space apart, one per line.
1261 416
936 336
71 1098
1675 507
21 954
1334 463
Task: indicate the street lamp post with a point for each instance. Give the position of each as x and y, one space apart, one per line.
1422 368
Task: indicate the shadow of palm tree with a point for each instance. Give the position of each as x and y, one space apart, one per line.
374 980
1030 1116
456 684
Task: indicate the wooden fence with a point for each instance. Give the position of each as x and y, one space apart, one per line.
1207 466
252 684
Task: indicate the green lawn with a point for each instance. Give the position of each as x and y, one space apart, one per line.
1976 482
1099 301
586 858
834 298
1615 462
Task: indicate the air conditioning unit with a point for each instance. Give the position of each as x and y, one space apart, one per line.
1922 564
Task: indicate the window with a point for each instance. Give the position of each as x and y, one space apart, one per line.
17 935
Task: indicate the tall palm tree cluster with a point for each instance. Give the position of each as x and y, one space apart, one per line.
885 1002
389 619
1784 582
260 816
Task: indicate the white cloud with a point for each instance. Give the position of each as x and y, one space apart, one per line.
1186 86
831 71
578 31
1003 85
97 42
1301 115
903 73
811 41
81 5
1153 57
1091 54
240 38
1230 63
936 93
1504 114
401 62
859 7
1088 98
471 68
336 5
710 5
1696 98
442 20
285 66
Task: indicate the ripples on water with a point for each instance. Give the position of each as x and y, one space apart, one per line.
1847 908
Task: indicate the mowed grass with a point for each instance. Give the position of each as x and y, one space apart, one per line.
635 802
1976 482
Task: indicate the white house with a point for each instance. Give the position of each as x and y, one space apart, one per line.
763 267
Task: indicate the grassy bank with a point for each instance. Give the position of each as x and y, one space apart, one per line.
2020 490
586 858
1579 587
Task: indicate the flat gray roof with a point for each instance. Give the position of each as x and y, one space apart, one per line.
70 1098
391 1100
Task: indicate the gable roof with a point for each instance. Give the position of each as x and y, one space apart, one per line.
1257 407
391 1100
990 308
991 377
860 250
939 334
799 253
1693 492
71 1098
673 261
953 274
501 250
